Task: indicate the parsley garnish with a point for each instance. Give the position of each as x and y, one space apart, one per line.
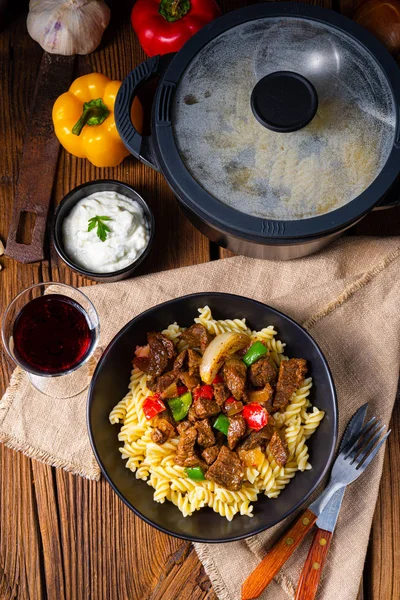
102 228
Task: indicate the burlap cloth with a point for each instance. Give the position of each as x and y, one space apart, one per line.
348 297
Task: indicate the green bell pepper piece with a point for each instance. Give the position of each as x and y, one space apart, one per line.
195 473
222 423
180 406
256 351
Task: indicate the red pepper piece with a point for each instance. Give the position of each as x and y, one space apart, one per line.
152 406
182 389
255 415
230 400
204 391
164 26
218 379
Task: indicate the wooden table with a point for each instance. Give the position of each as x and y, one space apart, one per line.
62 537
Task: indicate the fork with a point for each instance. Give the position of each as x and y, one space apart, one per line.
351 462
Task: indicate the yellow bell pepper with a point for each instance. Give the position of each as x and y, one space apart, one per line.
84 123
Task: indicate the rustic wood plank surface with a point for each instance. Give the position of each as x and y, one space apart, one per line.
62 537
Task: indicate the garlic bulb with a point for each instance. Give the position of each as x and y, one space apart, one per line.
67 26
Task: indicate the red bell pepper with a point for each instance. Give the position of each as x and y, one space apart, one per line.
164 26
152 406
255 415
204 391
218 379
182 389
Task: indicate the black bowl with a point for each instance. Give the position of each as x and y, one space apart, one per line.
110 384
69 201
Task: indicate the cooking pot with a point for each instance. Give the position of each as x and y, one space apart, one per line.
276 126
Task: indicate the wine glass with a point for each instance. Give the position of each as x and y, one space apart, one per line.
51 331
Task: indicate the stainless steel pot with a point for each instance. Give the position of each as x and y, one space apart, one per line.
276 126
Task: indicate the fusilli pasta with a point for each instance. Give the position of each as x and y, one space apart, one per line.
216 327
155 464
312 421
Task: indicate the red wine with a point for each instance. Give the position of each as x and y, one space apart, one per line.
51 335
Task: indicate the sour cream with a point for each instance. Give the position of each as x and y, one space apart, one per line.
126 240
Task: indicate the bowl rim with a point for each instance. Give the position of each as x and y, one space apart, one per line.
148 215
260 529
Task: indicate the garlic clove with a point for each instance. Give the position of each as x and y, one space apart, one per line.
67 27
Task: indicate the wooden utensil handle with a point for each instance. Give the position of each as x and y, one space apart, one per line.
19 251
311 573
39 158
264 573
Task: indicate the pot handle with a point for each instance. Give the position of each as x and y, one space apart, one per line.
140 146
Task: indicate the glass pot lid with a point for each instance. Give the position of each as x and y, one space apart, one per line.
284 118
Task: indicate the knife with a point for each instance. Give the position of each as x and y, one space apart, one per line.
263 574
326 522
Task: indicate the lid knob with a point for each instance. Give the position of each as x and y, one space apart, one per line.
284 101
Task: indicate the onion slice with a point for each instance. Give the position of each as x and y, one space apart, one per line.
222 346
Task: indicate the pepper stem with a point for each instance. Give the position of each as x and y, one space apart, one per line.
94 113
173 10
